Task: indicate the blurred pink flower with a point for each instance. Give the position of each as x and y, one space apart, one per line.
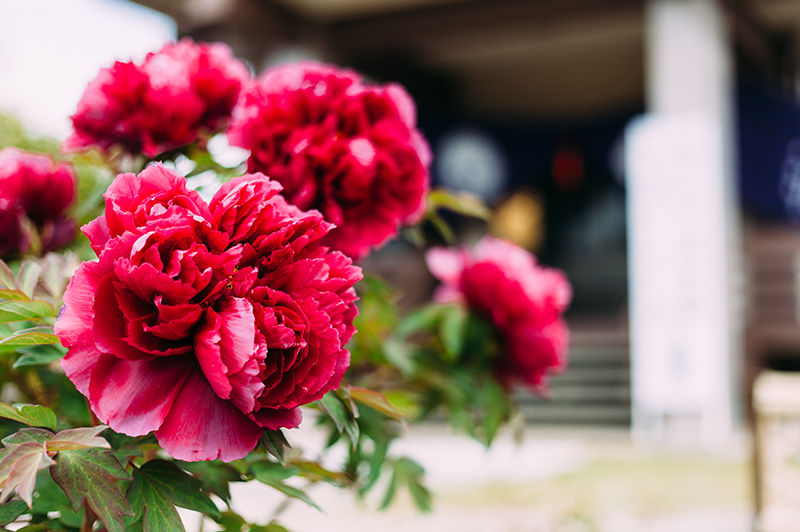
206 323
161 104
503 283
335 144
33 187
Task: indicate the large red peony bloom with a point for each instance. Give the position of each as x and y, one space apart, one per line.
335 144
206 323
33 187
161 104
524 301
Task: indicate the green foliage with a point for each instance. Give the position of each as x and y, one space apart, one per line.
406 472
158 486
342 414
89 475
33 415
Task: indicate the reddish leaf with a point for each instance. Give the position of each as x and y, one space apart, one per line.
18 470
78 439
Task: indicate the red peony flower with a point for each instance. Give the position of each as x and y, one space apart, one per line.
161 104
33 187
206 323
523 300
348 149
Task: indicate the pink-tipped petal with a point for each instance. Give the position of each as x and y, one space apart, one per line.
201 426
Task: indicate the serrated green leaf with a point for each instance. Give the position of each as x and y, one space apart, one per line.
453 329
28 277
18 470
33 415
314 472
32 336
376 400
89 475
126 452
159 512
178 486
11 510
344 420
25 310
275 442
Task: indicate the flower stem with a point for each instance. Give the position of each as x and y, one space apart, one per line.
89 518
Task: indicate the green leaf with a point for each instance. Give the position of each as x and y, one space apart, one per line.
18 470
453 329
266 469
376 400
422 319
159 512
177 486
32 336
34 415
13 294
25 310
408 472
216 477
272 527
314 472
275 442
231 522
399 355
11 510
461 202
89 475
343 418
39 355
286 489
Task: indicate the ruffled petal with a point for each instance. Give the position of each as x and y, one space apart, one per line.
134 396
201 426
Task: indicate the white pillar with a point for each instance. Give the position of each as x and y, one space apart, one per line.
683 231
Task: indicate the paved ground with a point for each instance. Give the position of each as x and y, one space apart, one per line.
556 481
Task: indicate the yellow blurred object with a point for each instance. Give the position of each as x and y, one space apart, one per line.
520 219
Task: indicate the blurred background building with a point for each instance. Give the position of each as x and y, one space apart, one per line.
526 103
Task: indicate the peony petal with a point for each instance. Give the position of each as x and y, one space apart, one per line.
201 426
278 418
446 264
225 343
134 397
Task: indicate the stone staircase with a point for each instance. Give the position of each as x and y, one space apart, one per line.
595 390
